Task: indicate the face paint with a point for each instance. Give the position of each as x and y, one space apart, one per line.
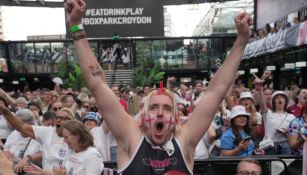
149 119
169 122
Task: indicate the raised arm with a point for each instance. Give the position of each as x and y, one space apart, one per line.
204 112
119 122
16 123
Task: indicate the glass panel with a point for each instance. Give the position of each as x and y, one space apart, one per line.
3 62
42 58
21 55
58 55
174 53
115 55
158 53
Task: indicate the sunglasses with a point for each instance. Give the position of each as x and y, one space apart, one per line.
86 107
56 109
62 118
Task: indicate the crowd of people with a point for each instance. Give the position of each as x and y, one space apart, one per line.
147 130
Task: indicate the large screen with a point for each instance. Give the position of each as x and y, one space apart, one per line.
269 11
105 18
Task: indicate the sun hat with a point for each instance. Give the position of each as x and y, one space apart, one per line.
238 110
246 95
279 93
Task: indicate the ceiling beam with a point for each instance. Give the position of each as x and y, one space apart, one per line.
42 3
38 3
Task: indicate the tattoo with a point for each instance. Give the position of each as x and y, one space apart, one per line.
96 70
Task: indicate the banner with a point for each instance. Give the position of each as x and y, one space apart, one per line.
132 18
289 37
271 43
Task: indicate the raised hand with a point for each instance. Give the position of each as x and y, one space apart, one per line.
243 23
74 11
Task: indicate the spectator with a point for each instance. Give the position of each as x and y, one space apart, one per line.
249 166
276 122
236 140
5 128
21 147
295 138
297 109
49 119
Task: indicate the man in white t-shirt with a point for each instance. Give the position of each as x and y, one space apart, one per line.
54 147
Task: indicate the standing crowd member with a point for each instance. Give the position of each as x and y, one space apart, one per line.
158 136
236 140
276 122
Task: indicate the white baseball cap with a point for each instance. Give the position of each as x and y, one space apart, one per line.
246 95
238 110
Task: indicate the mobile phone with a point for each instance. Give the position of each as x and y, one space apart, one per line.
247 138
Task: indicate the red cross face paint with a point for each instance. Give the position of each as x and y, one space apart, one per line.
160 121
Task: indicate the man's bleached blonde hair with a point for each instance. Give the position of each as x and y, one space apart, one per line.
160 92
140 116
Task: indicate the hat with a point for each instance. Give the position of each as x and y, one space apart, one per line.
238 110
279 93
246 95
93 116
25 115
83 97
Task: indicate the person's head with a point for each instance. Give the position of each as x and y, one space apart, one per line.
183 88
199 87
239 117
126 94
21 103
46 95
268 95
77 136
35 108
160 116
49 118
86 106
67 100
246 100
182 110
279 101
55 106
146 89
92 120
115 90
26 116
63 115
28 95
302 96
249 166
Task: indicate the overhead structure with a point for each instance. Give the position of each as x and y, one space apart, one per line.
35 3
58 4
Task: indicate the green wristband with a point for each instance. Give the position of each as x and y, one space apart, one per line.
76 28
